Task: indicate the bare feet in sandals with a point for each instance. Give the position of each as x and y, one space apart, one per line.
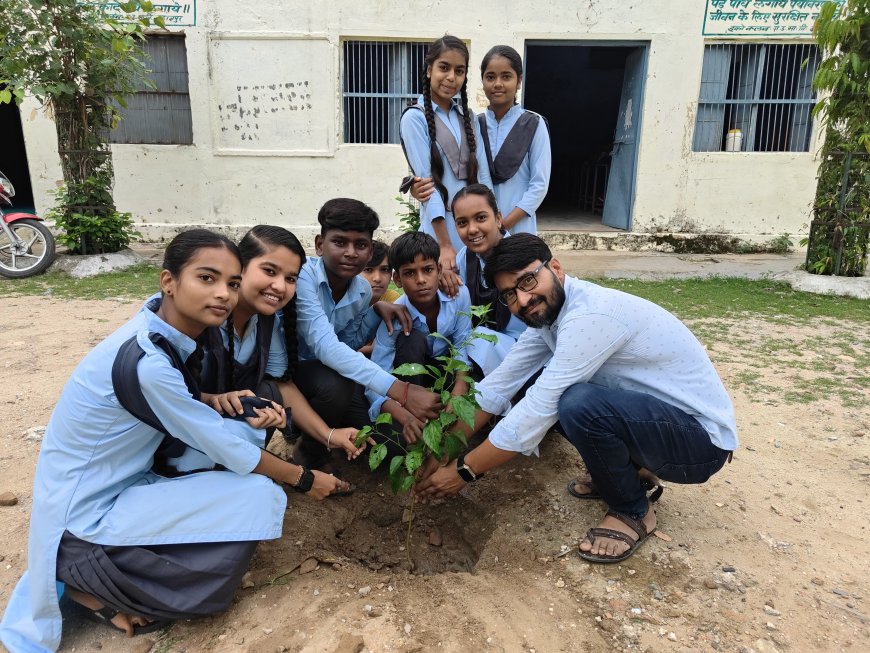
582 486
602 545
127 623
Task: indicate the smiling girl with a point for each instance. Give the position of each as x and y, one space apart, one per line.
481 227
132 549
516 143
254 353
441 140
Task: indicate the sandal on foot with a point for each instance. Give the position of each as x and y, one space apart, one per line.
636 525
105 615
656 488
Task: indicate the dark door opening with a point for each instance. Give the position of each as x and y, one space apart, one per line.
584 92
13 156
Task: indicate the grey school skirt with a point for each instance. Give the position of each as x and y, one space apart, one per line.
164 582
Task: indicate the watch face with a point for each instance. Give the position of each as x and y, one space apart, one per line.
466 474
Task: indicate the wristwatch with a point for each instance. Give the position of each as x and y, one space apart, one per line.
305 481
465 472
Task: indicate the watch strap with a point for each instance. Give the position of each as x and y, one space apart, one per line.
306 481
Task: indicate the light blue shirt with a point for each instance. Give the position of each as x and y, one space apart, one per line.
528 187
415 137
615 340
332 332
453 323
93 477
245 346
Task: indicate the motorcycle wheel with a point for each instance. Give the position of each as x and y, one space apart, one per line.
33 256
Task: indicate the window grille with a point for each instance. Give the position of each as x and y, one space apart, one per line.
159 115
763 90
379 79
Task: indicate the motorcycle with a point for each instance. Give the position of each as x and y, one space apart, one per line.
26 244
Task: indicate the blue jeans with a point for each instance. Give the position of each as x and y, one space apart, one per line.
619 431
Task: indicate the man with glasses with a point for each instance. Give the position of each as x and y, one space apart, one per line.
633 389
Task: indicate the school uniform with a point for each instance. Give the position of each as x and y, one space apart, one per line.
527 186
505 326
94 489
332 372
392 350
259 356
415 140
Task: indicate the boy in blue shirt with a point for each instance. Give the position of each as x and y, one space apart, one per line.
414 258
335 319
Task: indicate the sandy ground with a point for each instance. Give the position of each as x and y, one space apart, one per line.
770 555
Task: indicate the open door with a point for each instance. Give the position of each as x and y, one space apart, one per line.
623 164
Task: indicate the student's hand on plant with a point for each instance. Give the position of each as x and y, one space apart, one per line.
325 484
443 482
269 417
449 282
390 312
422 404
448 259
412 429
228 403
422 188
344 439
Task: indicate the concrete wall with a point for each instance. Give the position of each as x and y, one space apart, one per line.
284 179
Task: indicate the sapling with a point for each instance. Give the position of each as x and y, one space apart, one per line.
441 437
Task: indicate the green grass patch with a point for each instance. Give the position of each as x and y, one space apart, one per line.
726 297
135 283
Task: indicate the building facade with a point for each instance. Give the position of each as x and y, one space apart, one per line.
665 116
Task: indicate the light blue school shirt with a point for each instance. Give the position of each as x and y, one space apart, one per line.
528 187
245 346
453 323
332 332
415 137
611 339
94 478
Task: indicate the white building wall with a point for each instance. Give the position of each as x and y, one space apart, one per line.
168 187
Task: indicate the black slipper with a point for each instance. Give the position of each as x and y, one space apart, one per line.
657 490
105 615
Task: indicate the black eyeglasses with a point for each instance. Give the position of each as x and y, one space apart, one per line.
526 283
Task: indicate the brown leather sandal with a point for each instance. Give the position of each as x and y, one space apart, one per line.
657 489
633 543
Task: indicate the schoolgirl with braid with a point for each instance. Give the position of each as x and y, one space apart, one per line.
441 140
255 351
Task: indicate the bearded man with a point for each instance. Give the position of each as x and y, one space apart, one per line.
631 387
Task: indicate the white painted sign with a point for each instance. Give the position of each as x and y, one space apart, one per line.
761 18
174 14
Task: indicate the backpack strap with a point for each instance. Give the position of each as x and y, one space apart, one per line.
128 390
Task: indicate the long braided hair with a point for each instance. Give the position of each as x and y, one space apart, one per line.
445 43
257 242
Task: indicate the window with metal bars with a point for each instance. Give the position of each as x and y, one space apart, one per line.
756 97
159 115
379 79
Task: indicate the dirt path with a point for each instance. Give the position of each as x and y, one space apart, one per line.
770 555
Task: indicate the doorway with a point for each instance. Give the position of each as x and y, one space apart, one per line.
13 157
592 98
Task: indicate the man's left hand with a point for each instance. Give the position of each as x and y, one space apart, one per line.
444 482
390 312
